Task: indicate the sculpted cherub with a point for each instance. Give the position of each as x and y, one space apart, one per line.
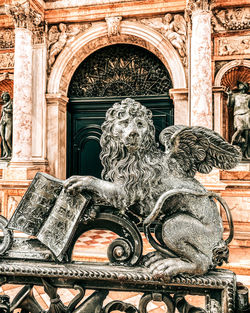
138 174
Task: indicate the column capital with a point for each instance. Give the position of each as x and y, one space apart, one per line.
194 6
23 15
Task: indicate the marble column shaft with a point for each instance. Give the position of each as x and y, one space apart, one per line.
201 72
22 106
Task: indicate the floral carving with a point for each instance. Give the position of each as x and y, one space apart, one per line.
231 19
7 39
174 28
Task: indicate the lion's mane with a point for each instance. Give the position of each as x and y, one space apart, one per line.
140 171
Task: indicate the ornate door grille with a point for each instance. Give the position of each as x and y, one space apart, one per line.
120 70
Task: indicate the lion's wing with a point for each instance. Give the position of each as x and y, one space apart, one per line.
198 149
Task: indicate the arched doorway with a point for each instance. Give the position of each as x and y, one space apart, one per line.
107 76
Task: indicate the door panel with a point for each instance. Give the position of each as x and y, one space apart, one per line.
85 117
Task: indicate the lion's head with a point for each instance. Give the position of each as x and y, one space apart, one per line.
129 152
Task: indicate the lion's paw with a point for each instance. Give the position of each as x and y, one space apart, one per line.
167 268
151 258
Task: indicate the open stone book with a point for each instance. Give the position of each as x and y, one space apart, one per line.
48 212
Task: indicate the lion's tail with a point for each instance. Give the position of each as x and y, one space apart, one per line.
220 253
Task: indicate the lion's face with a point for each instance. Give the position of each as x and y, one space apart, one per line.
131 130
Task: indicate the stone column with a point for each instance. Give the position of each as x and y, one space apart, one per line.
56 134
181 109
24 20
201 72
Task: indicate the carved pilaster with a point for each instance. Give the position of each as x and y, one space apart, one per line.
200 70
23 15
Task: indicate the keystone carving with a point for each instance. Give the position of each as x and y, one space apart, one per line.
113 24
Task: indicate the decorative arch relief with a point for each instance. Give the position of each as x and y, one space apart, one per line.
80 45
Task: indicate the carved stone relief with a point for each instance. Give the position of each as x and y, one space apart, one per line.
113 24
231 19
174 28
233 45
7 60
7 39
60 35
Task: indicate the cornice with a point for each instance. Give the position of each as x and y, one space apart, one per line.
124 9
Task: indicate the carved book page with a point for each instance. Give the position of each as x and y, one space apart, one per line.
49 213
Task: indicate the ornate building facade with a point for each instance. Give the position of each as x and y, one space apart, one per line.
65 62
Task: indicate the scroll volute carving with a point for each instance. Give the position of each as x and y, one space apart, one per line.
237 108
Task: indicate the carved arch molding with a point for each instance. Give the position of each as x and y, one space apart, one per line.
96 38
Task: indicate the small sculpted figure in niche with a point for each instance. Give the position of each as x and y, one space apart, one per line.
139 176
6 125
240 102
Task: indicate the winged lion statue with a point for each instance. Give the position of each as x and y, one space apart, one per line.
161 184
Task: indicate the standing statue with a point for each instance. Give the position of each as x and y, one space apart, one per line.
240 102
139 176
6 126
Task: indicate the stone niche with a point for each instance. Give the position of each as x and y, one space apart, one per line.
229 80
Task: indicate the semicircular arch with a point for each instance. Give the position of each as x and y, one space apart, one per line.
227 67
97 37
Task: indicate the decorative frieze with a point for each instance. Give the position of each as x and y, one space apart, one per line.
7 60
7 38
231 19
23 15
113 24
174 28
239 45
60 35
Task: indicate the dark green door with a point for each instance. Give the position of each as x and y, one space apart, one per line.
105 77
